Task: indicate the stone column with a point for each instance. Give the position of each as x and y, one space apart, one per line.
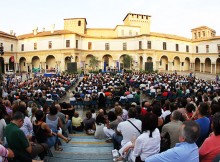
170 66
157 65
203 67
211 68
200 69
31 67
5 65
215 69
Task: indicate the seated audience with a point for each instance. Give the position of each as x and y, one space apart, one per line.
211 146
186 150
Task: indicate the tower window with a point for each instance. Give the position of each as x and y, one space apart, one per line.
79 23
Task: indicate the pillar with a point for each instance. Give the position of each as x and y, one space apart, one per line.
215 69
170 66
211 68
5 68
203 67
200 68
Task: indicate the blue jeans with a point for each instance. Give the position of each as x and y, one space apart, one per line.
116 140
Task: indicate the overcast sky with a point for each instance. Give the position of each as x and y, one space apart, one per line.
168 16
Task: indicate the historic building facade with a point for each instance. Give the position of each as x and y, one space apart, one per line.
53 49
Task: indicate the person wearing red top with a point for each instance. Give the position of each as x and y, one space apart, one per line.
211 146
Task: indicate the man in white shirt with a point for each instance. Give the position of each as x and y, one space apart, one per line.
125 131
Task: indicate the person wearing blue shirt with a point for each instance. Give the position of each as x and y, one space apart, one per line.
203 121
186 150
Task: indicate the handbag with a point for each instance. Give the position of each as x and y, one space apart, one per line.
165 142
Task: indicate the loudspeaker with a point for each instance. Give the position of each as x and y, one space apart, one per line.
148 66
72 67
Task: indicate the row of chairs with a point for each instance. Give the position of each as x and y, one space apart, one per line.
92 103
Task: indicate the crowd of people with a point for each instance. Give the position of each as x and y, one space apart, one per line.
184 110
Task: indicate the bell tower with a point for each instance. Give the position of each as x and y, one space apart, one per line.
77 25
143 21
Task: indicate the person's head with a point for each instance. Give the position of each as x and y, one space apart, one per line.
58 107
53 110
111 116
157 110
18 118
189 131
132 112
216 123
76 114
190 107
100 119
176 115
149 123
215 108
173 106
118 110
22 108
88 115
203 108
39 115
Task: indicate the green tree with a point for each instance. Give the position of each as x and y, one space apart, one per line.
127 61
93 63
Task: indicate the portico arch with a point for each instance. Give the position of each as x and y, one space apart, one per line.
218 66
164 63
176 63
197 64
107 62
208 65
50 63
22 64
186 64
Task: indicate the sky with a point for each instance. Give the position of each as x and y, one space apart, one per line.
176 17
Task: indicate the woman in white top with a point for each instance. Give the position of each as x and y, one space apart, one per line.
148 143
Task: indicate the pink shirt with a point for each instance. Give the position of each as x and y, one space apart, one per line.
3 153
210 148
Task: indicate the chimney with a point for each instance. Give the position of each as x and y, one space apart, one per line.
52 28
11 32
43 29
35 30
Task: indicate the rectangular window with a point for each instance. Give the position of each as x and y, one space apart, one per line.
203 33
207 48
177 47
89 45
218 47
187 48
195 35
124 46
76 43
130 32
197 49
79 23
140 45
149 44
199 34
50 44
12 46
35 46
22 47
106 46
67 43
164 46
